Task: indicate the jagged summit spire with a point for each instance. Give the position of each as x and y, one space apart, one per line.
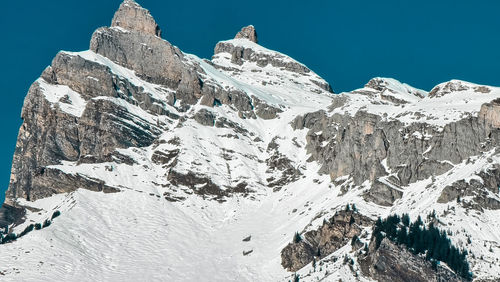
248 32
132 16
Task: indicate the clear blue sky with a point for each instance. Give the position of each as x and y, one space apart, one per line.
421 42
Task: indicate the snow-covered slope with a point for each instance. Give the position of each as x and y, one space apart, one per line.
162 163
397 101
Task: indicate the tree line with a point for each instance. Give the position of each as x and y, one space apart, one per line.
420 239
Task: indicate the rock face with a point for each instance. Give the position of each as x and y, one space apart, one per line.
490 114
248 32
390 154
98 115
392 263
153 59
251 142
131 16
480 189
331 236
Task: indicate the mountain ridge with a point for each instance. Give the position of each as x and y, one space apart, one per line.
195 155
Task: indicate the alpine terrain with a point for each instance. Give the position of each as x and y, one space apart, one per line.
139 162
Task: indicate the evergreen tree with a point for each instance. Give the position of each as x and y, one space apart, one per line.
351 221
28 229
9 238
354 240
405 219
421 239
378 239
434 264
55 214
297 238
402 236
46 223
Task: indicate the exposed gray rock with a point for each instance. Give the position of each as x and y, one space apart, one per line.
383 194
481 190
328 238
92 79
49 136
203 186
132 16
296 255
446 88
53 181
11 215
356 146
394 263
281 168
382 84
99 133
263 110
160 157
240 54
248 32
286 172
152 58
205 117
225 123
489 114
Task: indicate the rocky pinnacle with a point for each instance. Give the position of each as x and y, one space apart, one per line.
249 33
132 16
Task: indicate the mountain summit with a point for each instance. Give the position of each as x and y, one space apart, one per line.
249 33
131 16
139 162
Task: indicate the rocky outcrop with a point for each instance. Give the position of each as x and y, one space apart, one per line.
152 58
457 86
446 88
203 186
385 84
205 117
383 193
11 215
367 147
332 235
264 110
281 169
249 51
248 32
49 135
134 99
51 181
482 190
240 53
489 114
296 255
131 16
390 262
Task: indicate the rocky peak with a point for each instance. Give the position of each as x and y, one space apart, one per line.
132 16
382 84
248 32
457 86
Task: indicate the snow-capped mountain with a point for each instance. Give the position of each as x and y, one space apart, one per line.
138 162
